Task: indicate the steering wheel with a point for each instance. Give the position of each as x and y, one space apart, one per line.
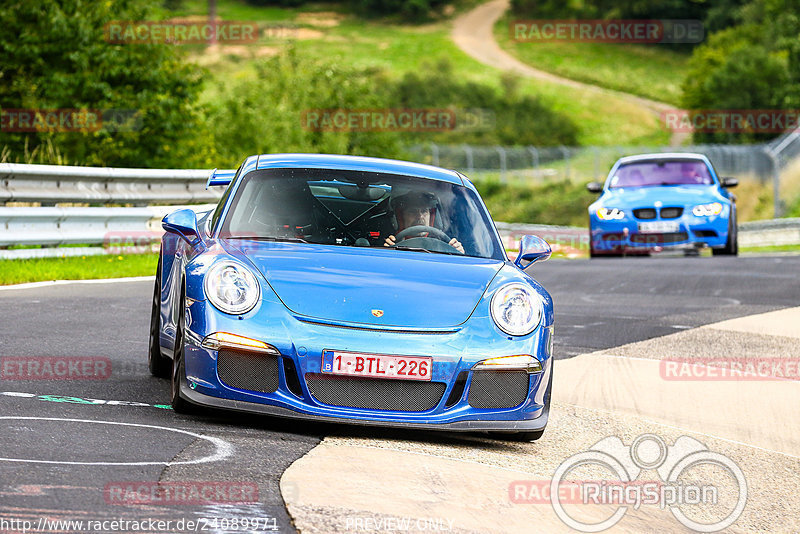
432 232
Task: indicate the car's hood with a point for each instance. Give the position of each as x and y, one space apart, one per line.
372 286
677 195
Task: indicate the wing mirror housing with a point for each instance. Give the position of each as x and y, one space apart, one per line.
184 223
532 248
729 182
594 187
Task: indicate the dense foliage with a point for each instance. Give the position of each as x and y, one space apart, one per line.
53 56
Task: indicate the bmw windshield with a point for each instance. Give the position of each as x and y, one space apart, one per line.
655 173
361 209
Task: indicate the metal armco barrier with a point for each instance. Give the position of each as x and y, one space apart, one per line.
50 184
89 226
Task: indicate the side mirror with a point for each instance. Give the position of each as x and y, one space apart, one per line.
594 187
532 248
184 223
728 182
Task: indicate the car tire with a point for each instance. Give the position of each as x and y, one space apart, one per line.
179 404
158 364
731 247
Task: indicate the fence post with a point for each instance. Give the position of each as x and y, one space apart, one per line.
470 161
535 158
776 183
566 160
435 154
502 152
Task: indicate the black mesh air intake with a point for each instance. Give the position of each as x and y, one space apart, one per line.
248 370
292 379
457 391
671 213
375 393
645 213
498 389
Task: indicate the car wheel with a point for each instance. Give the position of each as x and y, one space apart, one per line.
179 404
159 364
731 247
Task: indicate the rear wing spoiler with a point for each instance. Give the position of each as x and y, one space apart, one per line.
220 177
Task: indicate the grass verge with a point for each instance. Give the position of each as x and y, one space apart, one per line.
650 71
338 37
76 268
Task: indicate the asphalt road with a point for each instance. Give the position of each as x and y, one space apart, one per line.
57 458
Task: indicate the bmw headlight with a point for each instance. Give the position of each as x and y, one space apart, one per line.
610 214
706 210
516 309
231 287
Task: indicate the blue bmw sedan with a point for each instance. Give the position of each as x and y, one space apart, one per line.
653 202
356 290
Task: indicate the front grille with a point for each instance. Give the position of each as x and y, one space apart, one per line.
248 370
658 239
498 389
645 213
375 393
671 213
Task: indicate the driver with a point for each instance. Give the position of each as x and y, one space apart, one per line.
416 209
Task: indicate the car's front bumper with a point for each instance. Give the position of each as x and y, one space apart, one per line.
622 236
454 354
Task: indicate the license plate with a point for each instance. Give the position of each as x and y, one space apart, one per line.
377 365
658 227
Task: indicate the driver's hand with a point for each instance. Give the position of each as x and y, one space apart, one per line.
455 243
389 241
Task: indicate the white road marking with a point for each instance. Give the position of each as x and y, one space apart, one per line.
223 448
48 283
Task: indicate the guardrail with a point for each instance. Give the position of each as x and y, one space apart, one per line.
51 184
114 227
53 227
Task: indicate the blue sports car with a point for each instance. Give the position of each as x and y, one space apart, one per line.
653 202
356 290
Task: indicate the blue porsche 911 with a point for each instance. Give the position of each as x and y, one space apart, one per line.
652 202
357 290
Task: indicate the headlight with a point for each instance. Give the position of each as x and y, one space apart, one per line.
705 210
610 214
516 309
231 287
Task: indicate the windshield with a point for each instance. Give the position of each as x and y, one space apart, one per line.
362 209
652 173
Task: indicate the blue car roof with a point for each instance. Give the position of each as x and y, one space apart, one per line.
357 163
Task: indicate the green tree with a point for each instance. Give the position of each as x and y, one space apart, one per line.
53 55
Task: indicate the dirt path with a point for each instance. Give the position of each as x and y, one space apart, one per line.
473 33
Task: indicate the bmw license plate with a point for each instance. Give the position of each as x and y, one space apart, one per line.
377 365
658 227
